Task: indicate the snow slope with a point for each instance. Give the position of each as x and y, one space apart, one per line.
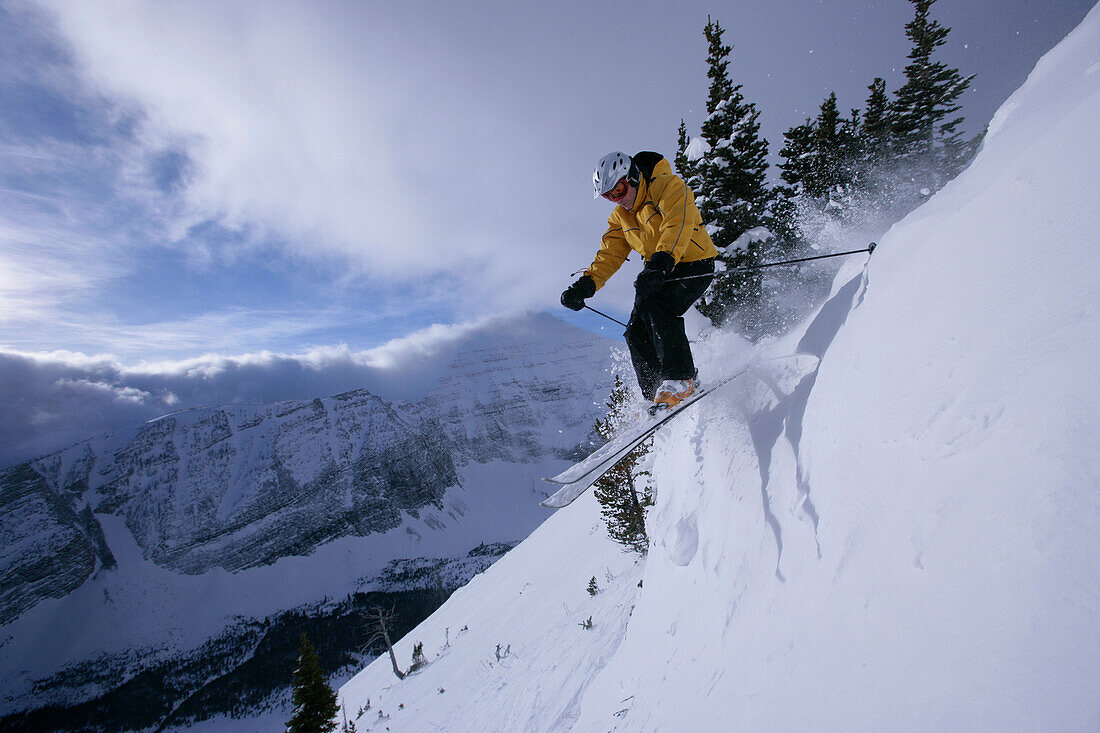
895 531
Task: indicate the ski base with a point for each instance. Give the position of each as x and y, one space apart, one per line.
576 479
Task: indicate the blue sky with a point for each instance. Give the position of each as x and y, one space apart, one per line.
214 179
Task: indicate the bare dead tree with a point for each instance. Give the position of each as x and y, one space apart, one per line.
380 621
437 585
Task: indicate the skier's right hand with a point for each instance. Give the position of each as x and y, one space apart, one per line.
652 277
574 296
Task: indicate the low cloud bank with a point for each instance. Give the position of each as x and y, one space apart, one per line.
49 401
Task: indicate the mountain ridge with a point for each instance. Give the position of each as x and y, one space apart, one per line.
226 493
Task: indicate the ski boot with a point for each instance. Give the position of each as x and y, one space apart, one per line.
671 393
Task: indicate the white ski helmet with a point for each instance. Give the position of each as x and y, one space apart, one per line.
611 169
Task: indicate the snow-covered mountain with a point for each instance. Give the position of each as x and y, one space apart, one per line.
894 529
130 552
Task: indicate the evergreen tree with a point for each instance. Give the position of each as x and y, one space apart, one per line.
593 589
685 168
881 186
784 224
796 167
827 156
851 150
834 164
822 165
419 661
876 130
623 503
925 124
314 701
733 195
797 154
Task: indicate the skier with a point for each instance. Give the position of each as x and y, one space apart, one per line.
655 215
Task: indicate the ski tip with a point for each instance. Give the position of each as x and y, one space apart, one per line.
562 498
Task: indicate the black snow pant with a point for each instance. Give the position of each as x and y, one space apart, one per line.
655 334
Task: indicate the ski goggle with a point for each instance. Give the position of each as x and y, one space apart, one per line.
618 192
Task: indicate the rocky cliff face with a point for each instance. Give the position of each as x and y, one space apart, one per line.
239 487
236 487
47 548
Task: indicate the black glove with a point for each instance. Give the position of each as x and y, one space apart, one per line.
652 277
574 296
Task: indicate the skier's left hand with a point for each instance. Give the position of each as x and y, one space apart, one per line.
652 278
574 296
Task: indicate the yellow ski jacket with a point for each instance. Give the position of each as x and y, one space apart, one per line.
664 219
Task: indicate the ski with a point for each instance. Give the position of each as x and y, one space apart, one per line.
578 477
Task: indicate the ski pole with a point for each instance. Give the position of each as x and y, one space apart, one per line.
606 316
870 248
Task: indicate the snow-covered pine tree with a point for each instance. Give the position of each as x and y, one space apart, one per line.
792 201
821 157
837 176
314 701
838 141
785 226
685 167
419 661
797 154
882 181
623 496
732 193
876 131
822 166
924 110
825 175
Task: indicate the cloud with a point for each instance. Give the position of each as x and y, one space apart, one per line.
171 165
43 269
317 125
51 400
